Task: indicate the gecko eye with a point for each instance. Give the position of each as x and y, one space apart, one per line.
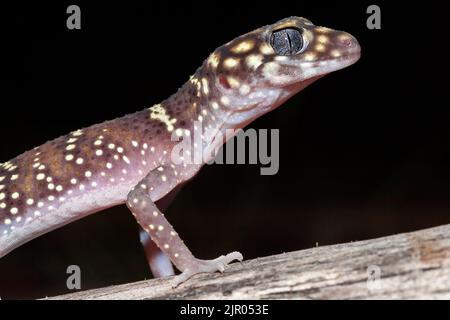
287 41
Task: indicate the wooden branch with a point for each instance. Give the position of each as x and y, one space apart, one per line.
412 266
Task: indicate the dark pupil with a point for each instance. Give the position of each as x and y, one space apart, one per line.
287 41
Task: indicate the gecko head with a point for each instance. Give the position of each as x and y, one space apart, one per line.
258 71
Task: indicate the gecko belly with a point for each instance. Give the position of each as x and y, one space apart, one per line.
73 208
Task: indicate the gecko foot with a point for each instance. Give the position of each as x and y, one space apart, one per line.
206 266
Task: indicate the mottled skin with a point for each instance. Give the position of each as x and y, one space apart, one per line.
129 160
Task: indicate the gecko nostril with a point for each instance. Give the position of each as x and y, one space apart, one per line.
347 40
348 43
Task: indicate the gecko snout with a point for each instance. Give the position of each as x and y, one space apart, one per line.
348 43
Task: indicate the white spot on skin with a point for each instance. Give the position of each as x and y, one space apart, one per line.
98 142
254 61
266 49
59 188
244 89
14 210
119 149
18 219
151 226
213 60
109 165
37 213
51 186
155 213
15 195
14 177
77 133
166 246
310 56
79 161
160 228
231 63
145 146
205 86
234 83
322 39
320 48
135 144
125 158
40 204
179 132
41 167
49 179
163 178
281 58
111 146
88 174
69 157
70 147
335 53
51 198
30 201
73 181
225 100
71 140
159 113
243 47
98 152
215 105
2 196
7 221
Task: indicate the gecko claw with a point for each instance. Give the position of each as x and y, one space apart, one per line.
207 266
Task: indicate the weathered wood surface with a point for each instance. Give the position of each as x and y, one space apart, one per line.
413 265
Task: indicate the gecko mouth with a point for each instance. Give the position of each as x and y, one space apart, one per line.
350 57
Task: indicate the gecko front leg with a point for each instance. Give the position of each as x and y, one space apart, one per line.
153 221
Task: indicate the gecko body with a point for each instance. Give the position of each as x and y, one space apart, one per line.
129 159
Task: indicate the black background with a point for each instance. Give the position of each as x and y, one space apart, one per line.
363 152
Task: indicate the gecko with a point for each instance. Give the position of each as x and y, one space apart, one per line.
130 160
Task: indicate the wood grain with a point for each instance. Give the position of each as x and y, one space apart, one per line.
412 265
